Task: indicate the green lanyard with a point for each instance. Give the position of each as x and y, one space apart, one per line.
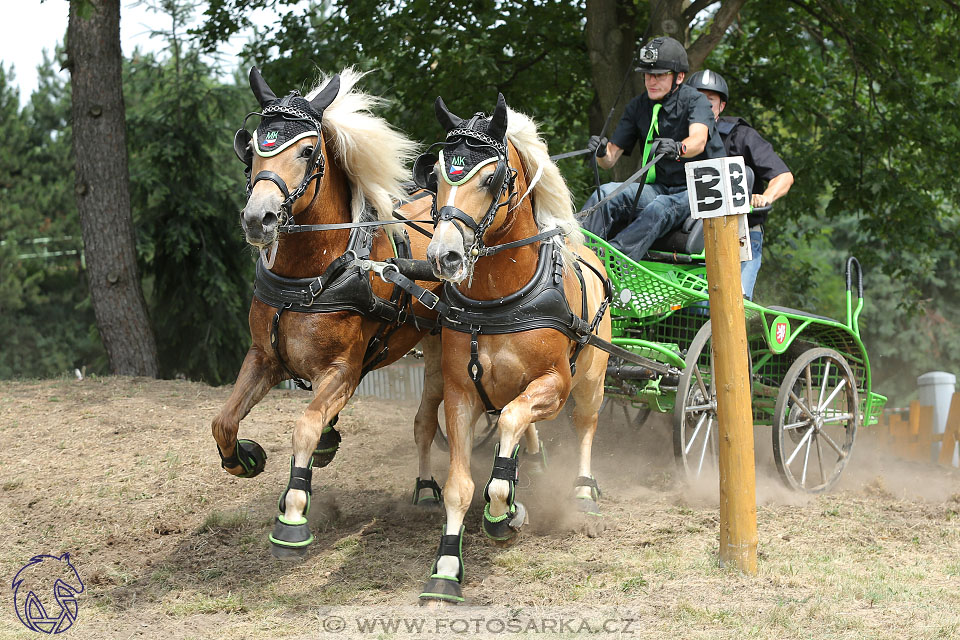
654 129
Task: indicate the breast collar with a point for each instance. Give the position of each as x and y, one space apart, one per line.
341 287
540 304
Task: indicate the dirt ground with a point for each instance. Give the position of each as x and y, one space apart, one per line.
122 474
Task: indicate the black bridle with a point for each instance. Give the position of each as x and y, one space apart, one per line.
502 182
315 166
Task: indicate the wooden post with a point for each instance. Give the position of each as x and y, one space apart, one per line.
951 432
738 500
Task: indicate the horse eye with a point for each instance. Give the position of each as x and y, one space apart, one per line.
487 181
307 152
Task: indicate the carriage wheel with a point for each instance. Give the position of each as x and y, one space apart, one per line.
815 420
482 432
695 441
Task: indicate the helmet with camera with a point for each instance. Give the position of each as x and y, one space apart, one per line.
663 55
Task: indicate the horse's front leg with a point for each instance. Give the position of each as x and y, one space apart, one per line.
425 424
258 374
332 389
504 515
461 410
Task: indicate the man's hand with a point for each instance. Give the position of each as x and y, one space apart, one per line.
673 149
597 146
759 200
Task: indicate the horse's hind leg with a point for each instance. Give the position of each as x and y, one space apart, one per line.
425 424
541 400
258 374
291 533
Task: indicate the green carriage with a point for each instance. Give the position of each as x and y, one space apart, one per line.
810 375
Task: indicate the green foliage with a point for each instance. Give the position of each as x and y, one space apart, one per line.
187 190
46 321
532 52
861 100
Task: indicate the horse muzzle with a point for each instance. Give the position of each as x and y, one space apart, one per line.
447 264
260 228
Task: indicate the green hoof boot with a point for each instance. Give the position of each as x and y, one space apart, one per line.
431 500
443 588
505 527
589 505
247 454
327 446
290 539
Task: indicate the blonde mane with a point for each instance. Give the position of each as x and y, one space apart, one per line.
374 155
552 201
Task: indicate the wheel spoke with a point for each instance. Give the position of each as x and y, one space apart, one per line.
697 408
706 445
796 425
700 383
808 375
833 445
843 383
840 417
800 403
800 444
823 385
693 437
823 477
806 461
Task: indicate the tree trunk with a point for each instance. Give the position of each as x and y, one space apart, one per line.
611 35
102 186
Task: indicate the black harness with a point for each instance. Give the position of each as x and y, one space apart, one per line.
345 285
540 304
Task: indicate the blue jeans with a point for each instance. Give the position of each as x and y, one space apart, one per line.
660 209
750 269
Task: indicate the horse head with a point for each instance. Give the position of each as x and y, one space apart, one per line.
284 155
473 182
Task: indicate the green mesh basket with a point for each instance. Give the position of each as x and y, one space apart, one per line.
651 288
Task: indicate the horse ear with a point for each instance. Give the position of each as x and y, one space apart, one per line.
448 120
327 95
262 92
498 121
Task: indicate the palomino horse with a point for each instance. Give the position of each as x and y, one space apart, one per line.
517 310
323 175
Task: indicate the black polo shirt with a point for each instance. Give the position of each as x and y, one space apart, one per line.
680 109
740 139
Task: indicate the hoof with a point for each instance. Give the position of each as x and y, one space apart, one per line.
588 506
290 539
507 526
247 455
433 500
441 590
327 446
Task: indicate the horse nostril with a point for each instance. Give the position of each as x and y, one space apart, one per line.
451 260
269 221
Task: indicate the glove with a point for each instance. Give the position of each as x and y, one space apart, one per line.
672 149
597 146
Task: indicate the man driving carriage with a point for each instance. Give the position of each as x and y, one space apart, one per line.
740 139
679 119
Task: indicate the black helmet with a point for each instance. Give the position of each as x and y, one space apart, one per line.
663 54
709 81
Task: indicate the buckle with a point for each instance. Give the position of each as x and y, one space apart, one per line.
432 296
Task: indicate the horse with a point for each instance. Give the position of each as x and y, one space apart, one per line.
517 314
326 173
